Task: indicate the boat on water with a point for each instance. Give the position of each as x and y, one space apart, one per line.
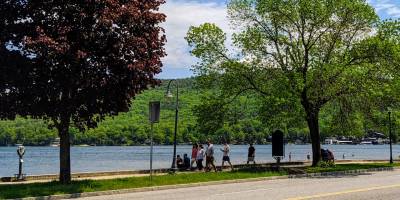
55 143
366 142
83 145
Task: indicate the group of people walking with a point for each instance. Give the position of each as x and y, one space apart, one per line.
199 153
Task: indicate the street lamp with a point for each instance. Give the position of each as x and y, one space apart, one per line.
390 135
169 95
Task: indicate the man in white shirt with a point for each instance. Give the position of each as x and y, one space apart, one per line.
225 158
199 157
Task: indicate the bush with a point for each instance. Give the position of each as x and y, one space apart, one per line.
326 164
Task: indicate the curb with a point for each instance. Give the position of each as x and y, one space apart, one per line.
167 187
148 189
342 173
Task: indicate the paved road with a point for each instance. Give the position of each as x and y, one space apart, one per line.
381 185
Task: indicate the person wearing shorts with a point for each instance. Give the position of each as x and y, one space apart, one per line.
225 158
251 154
210 157
200 157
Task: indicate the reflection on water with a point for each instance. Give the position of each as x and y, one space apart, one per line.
44 160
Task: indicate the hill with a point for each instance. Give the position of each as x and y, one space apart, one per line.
246 119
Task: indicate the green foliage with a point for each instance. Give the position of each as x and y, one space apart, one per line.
326 164
242 120
25 131
302 57
200 118
210 115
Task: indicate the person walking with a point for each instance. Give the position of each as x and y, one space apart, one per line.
225 158
200 157
210 156
194 155
251 154
331 157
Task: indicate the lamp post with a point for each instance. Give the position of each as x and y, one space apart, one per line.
169 95
390 137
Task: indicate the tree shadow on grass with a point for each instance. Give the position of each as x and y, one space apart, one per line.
330 175
45 189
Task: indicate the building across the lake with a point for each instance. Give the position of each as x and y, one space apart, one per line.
370 138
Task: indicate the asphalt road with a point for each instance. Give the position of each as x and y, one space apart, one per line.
371 186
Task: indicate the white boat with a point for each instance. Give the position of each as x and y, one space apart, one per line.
55 143
366 142
344 142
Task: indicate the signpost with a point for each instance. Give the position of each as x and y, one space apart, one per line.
278 146
390 138
154 117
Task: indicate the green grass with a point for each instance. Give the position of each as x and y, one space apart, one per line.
53 188
350 166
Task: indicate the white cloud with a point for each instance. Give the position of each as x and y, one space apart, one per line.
181 14
388 8
393 11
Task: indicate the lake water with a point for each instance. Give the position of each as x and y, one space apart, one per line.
44 160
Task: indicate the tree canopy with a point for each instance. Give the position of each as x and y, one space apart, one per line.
77 61
309 52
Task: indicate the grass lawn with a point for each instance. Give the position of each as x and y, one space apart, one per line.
53 188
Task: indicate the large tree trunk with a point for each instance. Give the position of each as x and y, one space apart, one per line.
65 160
313 125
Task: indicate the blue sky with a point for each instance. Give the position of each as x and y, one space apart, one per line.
181 14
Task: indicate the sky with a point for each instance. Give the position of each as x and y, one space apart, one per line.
181 14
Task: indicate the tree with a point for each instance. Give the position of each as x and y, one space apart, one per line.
76 62
210 115
312 50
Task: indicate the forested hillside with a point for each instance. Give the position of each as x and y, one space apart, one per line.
202 115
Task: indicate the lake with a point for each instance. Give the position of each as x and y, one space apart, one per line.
45 160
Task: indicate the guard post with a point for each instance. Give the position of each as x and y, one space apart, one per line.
154 117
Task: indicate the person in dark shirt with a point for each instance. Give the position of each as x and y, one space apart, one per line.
251 154
186 161
179 162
